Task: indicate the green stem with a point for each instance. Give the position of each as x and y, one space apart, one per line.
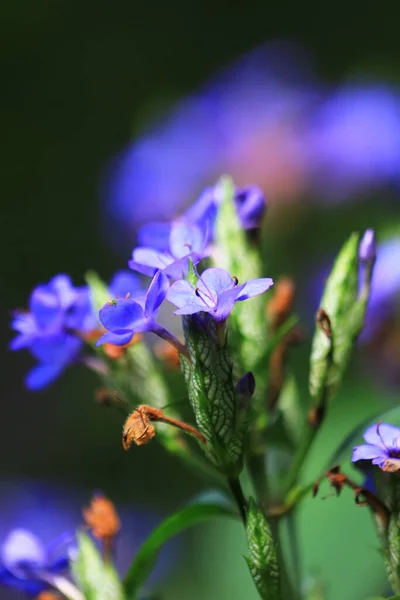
256 467
307 438
237 493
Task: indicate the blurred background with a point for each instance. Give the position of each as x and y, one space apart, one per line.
116 114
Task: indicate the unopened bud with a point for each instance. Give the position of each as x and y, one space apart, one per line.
367 248
250 205
101 517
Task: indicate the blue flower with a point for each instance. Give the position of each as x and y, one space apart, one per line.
382 447
216 293
186 241
56 311
123 283
27 565
126 316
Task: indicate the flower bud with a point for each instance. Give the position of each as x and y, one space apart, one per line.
367 248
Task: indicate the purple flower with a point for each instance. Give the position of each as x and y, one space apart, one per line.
56 310
216 293
186 241
26 564
382 447
126 316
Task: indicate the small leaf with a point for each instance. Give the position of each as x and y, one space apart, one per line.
146 557
97 579
262 560
99 292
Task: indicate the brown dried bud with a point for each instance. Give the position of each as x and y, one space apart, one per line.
101 517
281 304
139 429
323 321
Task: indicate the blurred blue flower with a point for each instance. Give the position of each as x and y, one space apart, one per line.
125 317
26 564
186 242
382 447
353 140
56 312
250 206
367 249
216 292
248 121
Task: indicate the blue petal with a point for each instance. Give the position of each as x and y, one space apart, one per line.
42 375
156 294
123 283
22 546
204 211
254 287
151 258
117 339
21 341
59 348
215 281
182 294
367 452
155 235
45 307
123 314
185 238
226 302
388 433
63 289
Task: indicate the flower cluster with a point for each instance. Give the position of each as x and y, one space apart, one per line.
166 253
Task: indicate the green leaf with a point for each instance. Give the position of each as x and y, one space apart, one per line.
99 292
97 579
146 557
330 356
262 561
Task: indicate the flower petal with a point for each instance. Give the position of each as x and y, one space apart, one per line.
185 238
149 258
182 294
155 235
367 452
123 313
45 307
250 206
226 302
254 287
22 546
42 375
116 339
123 283
216 281
59 348
388 433
156 294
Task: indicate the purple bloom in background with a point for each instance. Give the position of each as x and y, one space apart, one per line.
125 317
247 121
216 292
186 242
56 310
354 140
28 565
382 447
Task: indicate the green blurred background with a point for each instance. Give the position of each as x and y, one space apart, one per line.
78 77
